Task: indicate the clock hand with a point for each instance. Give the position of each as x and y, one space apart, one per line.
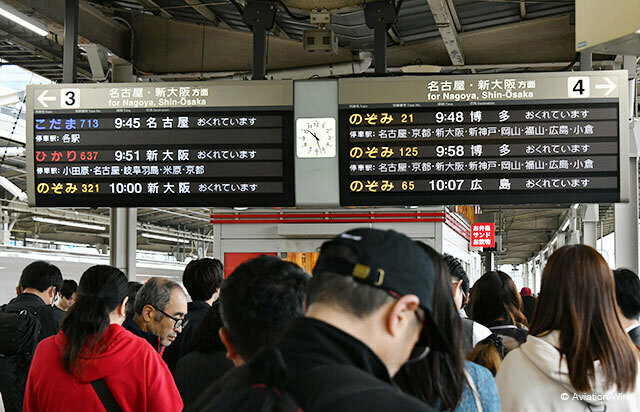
313 134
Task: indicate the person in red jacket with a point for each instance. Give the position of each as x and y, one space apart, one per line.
92 350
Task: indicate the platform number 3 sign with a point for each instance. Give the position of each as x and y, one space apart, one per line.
69 98
579 87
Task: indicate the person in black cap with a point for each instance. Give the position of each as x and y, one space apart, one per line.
369 309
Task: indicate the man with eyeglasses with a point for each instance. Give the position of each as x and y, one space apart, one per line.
160 308
369 310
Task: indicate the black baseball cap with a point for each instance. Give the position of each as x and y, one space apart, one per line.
391 261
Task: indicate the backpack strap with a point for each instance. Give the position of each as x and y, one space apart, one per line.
331 383
105 395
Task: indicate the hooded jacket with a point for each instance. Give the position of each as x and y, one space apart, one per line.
538 365
135 374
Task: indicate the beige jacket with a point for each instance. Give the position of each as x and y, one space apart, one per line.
534 378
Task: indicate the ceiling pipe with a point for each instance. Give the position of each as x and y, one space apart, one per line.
12 152
13 189
329 70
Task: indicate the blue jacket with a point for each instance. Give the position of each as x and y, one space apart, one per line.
153 340
486 385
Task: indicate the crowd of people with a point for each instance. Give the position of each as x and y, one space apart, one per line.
384 323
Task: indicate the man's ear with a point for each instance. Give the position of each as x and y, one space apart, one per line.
52 294
231 350
466 298
147 313
401 314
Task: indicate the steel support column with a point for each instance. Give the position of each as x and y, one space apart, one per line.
123 237
70 50
590 225
626 214
123 240
260 16
379 15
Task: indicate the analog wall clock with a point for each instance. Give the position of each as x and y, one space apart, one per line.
316 137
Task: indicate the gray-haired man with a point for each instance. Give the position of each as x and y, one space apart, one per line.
160 308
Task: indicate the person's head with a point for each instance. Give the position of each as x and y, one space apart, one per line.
525 291
495 297
101 301
202 279
257 302
160 308
378 287
441 374
577 298
67 294
42 279
133 287
628 293
489 353
459 280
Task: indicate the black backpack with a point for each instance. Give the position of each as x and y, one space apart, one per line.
322 386
19 336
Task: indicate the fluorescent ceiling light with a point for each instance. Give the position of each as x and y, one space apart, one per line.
555 239
545 250
165 238
68 223
62 243
565 225
576 206
23 20
34 240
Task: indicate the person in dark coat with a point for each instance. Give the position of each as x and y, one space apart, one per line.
369 308
52 315
202 278
36 290
628 298
528 303
258 301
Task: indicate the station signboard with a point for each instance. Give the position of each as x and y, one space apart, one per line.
222 144
484 139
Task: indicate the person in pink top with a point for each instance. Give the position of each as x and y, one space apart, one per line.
94 354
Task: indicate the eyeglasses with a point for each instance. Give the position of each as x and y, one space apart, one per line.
419 352
179 323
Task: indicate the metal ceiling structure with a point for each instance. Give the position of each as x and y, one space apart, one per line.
198 39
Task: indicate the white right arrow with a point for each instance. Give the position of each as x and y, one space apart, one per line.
43 98
610 85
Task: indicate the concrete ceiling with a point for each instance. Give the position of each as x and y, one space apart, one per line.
192 39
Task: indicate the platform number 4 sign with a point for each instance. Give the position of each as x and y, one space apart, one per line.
579 87
69 98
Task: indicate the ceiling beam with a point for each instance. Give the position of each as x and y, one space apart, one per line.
446 25
93 25
153 6
207 13
171 46
504 44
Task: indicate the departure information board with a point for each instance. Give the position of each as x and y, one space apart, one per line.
502 139
191 144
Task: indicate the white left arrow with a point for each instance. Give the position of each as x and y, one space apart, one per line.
43 98
611 86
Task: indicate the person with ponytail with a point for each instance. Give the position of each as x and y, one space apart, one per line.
94 354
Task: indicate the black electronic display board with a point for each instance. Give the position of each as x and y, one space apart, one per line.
179 156
505 152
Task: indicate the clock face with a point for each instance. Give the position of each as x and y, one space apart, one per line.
316 137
